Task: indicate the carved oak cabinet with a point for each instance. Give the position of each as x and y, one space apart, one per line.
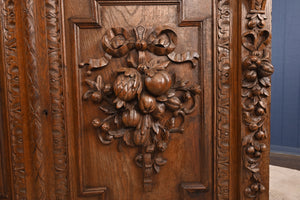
135 99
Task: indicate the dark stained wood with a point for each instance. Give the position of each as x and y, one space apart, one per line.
159 99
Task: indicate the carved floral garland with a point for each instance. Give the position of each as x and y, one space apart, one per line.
257 71
145 103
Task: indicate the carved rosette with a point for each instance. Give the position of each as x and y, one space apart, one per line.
145 103
257 71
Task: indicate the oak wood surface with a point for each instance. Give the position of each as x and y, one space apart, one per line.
125 100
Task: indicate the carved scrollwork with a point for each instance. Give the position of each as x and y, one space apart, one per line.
257 71
145 103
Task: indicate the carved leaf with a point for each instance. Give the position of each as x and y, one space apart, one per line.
155 127
99 83
265 92
265 81
128 138
90 84
156 168
160 161
87 94
118 133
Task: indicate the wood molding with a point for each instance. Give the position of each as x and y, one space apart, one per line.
13 116
223 42
56 75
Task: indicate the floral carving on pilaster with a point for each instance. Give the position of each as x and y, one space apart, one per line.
256 83
145 103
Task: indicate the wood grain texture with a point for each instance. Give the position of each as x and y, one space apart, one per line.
53 109
34 99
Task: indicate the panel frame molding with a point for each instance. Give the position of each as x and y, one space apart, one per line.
94 22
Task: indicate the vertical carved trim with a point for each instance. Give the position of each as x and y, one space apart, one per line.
15 120
256 89
35 125
223 98
57 98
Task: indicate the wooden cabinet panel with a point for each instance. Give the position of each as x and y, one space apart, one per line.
119 100
150 81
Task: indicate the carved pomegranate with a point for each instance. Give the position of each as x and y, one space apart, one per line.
127 85
158 84
147 103
131 118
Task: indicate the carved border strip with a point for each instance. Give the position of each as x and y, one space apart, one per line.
53 16
15 120
223 98
256 89
34 99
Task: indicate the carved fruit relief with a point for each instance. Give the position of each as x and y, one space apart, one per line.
256 83
145 103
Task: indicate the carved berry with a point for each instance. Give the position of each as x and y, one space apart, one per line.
250 150
253 127
260 135
96 123
254 187
96 97
260 111
105 127
263 147
248 190
257 154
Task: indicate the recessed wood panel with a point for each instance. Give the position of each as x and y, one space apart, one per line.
109 170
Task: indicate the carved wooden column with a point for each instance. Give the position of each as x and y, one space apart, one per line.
255 97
